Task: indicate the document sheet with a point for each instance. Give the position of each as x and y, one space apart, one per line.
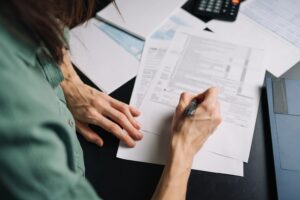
154 148
94 47
139 17
195 63
271 25
157 47
279 16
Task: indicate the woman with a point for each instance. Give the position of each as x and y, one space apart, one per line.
43 102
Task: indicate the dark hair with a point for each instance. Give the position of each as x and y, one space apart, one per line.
45 20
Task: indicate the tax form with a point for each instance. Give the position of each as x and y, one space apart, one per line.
154 148
196 62
157 46
156 120
155 51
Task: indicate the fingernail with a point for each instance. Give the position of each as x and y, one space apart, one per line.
136 110
132 144
100 143
140 136
138 125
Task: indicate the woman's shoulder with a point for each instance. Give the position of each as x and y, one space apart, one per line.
15 43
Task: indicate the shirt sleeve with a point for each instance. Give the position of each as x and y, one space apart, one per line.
33 157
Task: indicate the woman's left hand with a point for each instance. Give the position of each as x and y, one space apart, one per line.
90 106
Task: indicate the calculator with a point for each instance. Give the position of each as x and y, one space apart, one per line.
218 9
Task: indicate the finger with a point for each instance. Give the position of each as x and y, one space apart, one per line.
89 134
200 97
211 96
185 99
127 111
115 129
124 122
135 112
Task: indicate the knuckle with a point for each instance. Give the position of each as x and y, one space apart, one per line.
90 110
124 108
94 102
121 118
91 115
114 128
102 95
206 107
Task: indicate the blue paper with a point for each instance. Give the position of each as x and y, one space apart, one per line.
129 43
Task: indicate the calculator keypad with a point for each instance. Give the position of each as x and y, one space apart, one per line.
211 5
217 9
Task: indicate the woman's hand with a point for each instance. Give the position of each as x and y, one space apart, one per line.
189 135
90 106
190 132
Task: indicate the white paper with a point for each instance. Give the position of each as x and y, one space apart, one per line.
154 52
281 17
106 62
153 148
141 17
180 19
157 46
280 53
196 63
101 51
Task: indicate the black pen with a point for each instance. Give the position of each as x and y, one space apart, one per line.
191 108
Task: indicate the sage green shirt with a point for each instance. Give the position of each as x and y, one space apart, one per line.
40 155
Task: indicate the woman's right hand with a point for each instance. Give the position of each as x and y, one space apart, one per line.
191 132
189 135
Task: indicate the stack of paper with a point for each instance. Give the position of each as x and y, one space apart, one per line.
234 59
179 56
195 61
102 51
139 17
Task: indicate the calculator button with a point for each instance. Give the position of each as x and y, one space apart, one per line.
235 2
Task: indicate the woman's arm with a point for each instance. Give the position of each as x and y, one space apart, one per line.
188 136
90 106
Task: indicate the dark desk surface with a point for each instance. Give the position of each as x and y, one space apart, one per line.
116 179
